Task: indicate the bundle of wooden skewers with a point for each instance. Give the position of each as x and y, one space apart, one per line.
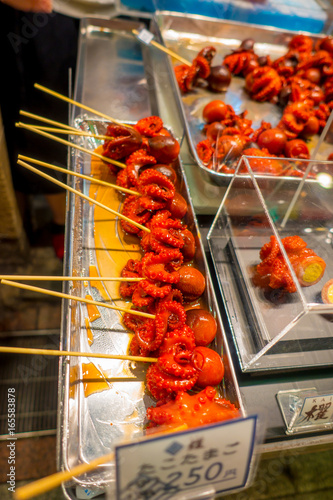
54 127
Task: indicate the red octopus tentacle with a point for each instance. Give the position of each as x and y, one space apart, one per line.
202 67
131 270
133 209
155 184
152 333
140 297
301 43
135 161
268 254
205 150
158 379
132 321
172 314
158 393
177 340
178 364
162 267
122 179
125 141
175 295
167 236
150 203
263 83
155 289
181 73
162 219
149 126
239 62
208 53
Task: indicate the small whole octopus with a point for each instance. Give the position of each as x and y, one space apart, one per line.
300 82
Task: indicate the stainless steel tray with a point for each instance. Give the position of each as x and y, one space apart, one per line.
186 34
91 426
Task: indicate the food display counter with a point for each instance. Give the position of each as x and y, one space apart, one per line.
128 80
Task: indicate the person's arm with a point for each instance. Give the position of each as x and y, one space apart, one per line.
30 5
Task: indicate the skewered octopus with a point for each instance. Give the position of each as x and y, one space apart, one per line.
184 360
273 270
217 78
148 134
123 142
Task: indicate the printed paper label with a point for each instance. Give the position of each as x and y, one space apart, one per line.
145 36
166 465
315 410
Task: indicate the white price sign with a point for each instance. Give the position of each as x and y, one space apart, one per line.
164 466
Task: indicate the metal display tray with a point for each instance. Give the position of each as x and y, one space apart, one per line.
90 426
186 35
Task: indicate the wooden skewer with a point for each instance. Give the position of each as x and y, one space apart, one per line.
15 277
50 482
46 120
93 180
78 104
72 132
164 49
85 197
71 144
75 354
74 297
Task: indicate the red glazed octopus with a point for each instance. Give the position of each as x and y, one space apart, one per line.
170 279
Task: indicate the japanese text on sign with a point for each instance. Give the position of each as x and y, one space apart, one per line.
316 410
161 467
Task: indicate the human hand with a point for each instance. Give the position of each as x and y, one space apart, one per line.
30 5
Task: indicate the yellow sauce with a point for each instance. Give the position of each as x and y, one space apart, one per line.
100 170
94 379
112 247
89 332
93 273
73 379
93 312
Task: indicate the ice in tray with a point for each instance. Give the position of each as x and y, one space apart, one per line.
271 244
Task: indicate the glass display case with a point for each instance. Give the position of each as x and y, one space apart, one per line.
271 243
